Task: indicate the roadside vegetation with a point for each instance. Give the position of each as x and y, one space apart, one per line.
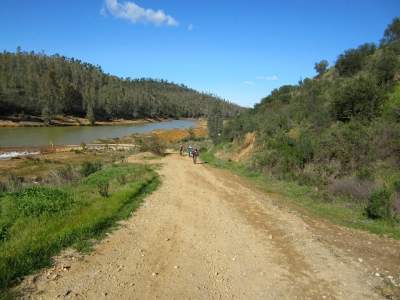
332 142
340 210
75 204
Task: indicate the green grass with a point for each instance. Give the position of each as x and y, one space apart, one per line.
318 203
38 222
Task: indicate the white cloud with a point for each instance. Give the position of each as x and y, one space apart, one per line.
268 78
247 82
134 13
190 27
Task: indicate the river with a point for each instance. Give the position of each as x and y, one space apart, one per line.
74 135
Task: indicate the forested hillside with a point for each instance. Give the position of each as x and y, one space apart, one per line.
339 131
42 85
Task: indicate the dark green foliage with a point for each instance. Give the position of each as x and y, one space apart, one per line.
380 204
385 66
357 97
88 167
353 60
392 32
36 201
396 186
41 85
321 67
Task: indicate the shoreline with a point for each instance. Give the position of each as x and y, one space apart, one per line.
167 135
67 121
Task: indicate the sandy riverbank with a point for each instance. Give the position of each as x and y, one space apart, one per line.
35 121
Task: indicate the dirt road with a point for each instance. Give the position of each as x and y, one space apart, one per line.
206 234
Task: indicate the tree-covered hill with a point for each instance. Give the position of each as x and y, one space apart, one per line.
42 85
339 130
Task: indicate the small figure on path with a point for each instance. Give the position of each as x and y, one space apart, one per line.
195 154
190 150
181 149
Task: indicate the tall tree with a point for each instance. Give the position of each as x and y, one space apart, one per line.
321 67
392 32
38 84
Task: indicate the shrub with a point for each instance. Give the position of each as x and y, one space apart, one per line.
396 186
36 201
88 167
62 175
153 144
396 203
103 188
352 187
385 66
83 147
14 182
191 133
321 67
347 143
3 187
353 60
392 32
365 173
396 199
358 97
380 204
121 179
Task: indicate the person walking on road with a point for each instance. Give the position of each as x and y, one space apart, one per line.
195 154
181 149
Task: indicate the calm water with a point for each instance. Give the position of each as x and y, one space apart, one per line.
41 136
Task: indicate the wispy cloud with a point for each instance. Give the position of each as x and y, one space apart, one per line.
268 78
134 13
190 27
248 82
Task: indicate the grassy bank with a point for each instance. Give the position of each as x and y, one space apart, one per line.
37 222
316 202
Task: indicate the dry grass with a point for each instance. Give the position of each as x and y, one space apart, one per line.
352 187
176 135
41 165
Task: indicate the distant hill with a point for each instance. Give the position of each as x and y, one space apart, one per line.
41 85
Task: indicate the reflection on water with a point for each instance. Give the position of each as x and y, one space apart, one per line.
41 136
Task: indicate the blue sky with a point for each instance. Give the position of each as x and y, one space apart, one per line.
239 50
